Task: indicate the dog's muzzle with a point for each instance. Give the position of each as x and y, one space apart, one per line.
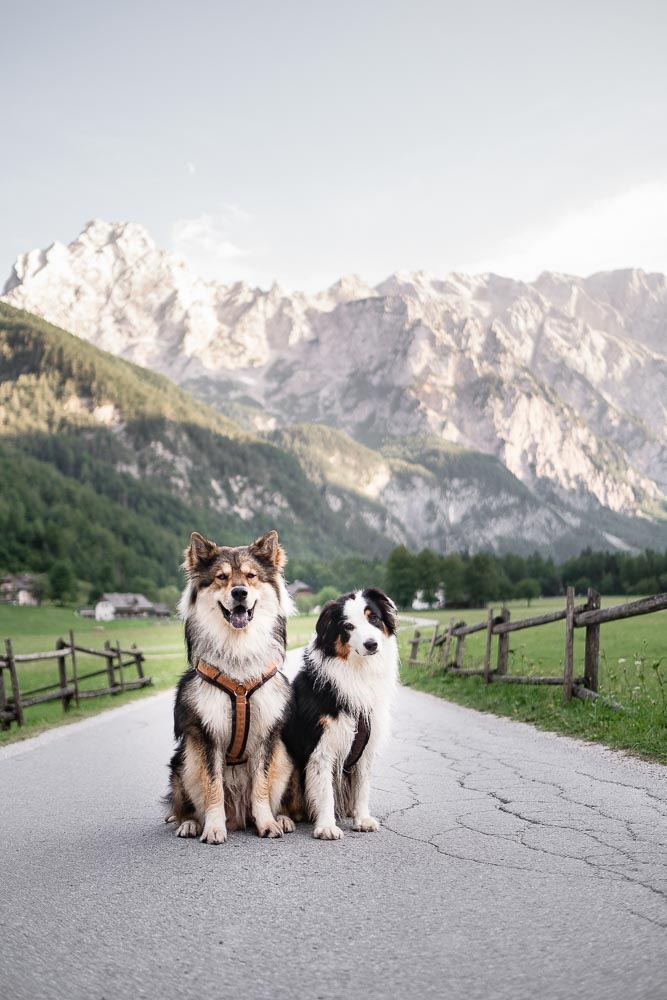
239 616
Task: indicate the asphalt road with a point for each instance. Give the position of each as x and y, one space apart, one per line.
510 864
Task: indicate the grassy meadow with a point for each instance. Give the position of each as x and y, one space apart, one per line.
633 671
36 629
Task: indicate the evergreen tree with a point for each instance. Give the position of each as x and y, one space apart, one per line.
453 576
430 578
402 576
62 582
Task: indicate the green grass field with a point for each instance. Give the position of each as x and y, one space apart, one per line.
633 671
36 629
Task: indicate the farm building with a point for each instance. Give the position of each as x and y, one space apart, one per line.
128 606
19 589
298 587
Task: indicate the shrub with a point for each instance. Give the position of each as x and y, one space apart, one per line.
305 603
326 594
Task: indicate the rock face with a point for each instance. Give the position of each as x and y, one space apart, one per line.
562 380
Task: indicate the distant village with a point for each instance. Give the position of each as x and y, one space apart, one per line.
22 589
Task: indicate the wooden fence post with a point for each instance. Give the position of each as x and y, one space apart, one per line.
568 668
109 658
414 646
16 691
62 674
139 660
503 645
4 723
75 673
120 665
458 659
487 648
434 637
592 644
448 645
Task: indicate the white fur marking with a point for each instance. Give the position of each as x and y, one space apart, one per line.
189 828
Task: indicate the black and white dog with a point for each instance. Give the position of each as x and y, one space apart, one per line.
340 711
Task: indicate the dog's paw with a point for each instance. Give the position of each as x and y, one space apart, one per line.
366 825
288 825
270 830
170 818
214 833
328 832
188 828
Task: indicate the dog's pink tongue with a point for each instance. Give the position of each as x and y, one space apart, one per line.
239 617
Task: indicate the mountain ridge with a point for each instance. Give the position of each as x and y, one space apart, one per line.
562 380
143 456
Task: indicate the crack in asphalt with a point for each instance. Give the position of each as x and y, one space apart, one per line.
470 769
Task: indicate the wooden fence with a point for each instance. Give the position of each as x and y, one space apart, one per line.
589 616
66 687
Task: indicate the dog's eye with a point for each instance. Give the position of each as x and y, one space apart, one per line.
222 576
374 619
347 627
251 576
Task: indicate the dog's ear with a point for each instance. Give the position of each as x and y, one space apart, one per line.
328 624
268 548
199 551
385 606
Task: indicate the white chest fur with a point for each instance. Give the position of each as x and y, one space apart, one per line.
214 706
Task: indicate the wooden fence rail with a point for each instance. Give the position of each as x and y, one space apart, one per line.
67 686
589 616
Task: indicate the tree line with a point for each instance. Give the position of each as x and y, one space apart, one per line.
474 580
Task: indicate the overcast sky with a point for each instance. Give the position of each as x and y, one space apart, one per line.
303 140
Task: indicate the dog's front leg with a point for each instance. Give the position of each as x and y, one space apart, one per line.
320 793
361 789
279 774
212 779
265 821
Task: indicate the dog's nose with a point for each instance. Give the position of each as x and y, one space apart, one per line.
371 645
239 594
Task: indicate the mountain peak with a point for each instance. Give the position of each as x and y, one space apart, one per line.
129 235
349 287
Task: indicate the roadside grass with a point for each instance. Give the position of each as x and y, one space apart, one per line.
36 629
633 671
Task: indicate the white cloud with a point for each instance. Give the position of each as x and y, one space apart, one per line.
205 236
626 230
215 244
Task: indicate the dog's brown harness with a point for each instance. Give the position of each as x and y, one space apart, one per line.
239 694
361 738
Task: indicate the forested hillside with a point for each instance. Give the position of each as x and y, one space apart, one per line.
110 467
106 468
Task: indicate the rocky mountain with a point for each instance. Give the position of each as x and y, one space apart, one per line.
560 385
111 466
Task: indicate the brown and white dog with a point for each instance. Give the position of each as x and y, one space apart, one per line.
231 701
340 712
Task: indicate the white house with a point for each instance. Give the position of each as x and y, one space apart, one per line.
127 606
419 604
